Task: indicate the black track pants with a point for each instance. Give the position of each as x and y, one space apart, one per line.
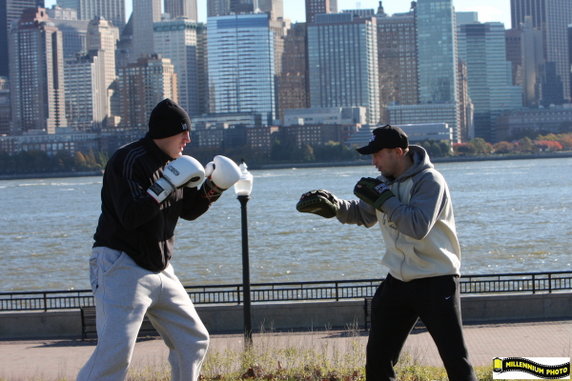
395 309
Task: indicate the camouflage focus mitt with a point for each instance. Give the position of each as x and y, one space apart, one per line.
320 202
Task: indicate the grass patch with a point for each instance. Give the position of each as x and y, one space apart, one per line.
300 358
333 356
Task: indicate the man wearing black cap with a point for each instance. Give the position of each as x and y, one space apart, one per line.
147 186
412 203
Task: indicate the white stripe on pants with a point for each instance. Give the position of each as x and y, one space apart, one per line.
124 292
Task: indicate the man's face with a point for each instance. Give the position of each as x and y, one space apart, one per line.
174 145
385 160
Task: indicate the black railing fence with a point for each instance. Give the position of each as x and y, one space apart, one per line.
517 283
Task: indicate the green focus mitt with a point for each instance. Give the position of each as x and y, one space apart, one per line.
373 191
320 202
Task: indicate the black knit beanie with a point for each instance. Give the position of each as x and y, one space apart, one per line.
168 119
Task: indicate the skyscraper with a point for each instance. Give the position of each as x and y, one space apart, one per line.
274 7
482 48
178 41
182 8
342 63
241 65
279 28
112 10
36 69
145 13
74 31
4 106
125 44
525 50
436 46
243 6
10 11
61 13
316 7
437 57
102 40
218 8
293 86
142 85
202 68
90 78
552 17
333 6
437 70
84 111
397 58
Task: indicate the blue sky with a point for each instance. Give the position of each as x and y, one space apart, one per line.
489 10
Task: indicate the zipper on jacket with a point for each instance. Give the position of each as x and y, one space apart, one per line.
397 239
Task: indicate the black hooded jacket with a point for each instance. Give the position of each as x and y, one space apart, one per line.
131 220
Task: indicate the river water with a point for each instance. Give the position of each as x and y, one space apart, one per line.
512 216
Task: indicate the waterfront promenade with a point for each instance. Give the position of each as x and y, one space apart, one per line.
48 360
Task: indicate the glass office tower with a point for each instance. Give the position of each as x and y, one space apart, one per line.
436 47
11 11
241 65
482 47
342 63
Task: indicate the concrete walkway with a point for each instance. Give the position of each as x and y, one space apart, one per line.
61 360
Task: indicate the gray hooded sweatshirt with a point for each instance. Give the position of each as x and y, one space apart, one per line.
417 225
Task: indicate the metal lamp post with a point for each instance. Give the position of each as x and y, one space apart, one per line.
243 188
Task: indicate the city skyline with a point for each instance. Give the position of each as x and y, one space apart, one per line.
488 10
332 77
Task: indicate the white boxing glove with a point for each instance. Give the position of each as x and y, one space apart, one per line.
222 171
198 176
221 174
185 170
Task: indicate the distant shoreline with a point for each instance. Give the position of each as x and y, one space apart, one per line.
455 159
451 159
50 175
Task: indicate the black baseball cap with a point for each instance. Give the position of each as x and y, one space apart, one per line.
385 137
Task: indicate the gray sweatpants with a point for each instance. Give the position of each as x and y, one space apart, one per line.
124 292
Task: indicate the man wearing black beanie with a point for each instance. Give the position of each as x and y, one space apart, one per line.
147 186
168 119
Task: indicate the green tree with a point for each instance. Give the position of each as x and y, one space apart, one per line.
548 145
62 161
481 147
436 148
463 149
335 151
33 162
526 145
503 147
284 149
102 158
566 141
